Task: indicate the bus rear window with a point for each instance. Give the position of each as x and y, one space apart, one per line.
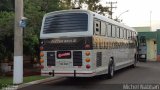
67 22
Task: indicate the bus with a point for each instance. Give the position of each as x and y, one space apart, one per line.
82 43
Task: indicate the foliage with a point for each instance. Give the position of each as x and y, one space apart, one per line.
93 5
6 81
6 5
6 35
34 11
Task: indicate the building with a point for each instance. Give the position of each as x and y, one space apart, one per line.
143 29
149 44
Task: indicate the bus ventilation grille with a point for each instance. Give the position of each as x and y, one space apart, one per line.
68 22
77 58
50 58
99 59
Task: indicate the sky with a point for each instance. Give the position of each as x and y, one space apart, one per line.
140 12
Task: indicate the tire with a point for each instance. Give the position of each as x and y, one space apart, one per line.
134 65
111 70
135 62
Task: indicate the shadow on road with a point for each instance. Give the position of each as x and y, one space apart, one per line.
140 74
89 81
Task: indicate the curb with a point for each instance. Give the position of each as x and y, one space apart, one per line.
37 82
15 87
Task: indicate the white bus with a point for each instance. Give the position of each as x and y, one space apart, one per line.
81 43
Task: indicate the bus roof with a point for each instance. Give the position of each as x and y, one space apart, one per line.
96 15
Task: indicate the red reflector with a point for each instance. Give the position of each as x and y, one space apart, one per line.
79 66
87 46
41 66
49 66
41 48
88 66
41 54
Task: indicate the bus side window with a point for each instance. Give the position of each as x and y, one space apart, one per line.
103 28
118 32
125 33
121 32
109 30
135 35
113 31
97 28
106 29
131 35
128 36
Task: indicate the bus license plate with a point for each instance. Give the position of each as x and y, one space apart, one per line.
63 54
64 63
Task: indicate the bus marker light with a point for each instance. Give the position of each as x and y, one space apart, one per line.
88 66
41 48
41 66
41 60
87 46
88 60
79 66
49 66
42 42
41 54
87 53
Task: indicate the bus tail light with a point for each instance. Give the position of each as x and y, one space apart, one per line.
41 48
87 46
42 42
87 53
41 66
41 60
88 66
41 54
88 59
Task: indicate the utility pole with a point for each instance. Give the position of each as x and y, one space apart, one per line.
18 44
117 19
111 8
150 20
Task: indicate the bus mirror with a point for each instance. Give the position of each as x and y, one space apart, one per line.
97 28
97 31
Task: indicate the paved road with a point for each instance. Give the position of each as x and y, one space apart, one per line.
144 73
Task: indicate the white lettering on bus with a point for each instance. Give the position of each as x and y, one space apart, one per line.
64 41
63 55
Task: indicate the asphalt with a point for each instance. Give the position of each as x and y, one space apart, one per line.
146 74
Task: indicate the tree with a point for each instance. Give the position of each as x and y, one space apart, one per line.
6 35
93 5
7 5
34 10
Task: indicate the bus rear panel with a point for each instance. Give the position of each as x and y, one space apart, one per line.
67 56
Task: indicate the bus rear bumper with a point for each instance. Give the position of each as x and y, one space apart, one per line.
69 73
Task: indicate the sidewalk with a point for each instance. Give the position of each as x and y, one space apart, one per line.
15 87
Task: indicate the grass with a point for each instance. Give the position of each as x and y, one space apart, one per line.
33 78
5 81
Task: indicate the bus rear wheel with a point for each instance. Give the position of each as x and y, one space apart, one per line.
135 62
111 70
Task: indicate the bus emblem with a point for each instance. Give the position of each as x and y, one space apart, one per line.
63 55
